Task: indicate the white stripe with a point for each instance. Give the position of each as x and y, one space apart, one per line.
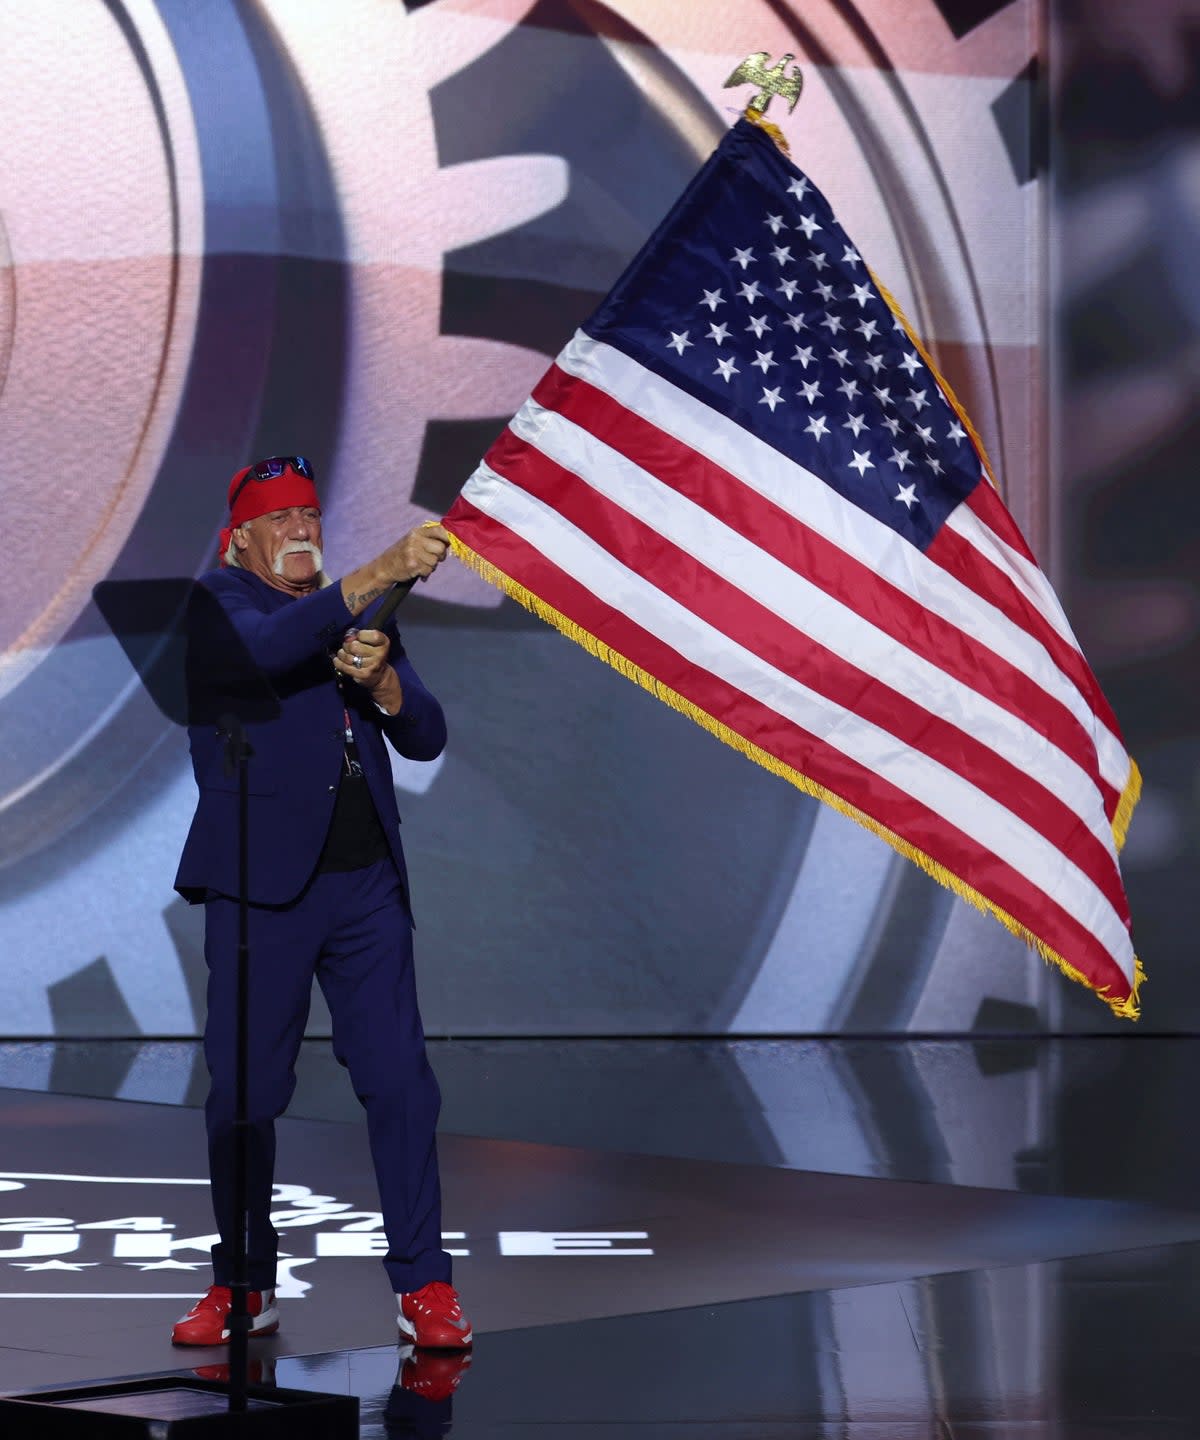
1028 579
1114 761
962 804
817 505
812 610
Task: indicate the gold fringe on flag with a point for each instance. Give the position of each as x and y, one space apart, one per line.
756 117
1127 803
1126 1009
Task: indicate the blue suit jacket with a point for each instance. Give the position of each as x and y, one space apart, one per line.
297 758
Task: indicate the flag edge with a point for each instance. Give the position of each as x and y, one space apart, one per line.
1132 791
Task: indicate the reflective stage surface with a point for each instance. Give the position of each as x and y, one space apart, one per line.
988 1255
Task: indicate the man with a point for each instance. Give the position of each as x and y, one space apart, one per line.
328 889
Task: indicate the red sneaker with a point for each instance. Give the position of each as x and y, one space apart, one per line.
206 1323
432 1376
432 1316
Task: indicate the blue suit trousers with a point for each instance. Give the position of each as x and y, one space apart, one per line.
353 931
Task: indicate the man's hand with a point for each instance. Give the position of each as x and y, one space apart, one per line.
362 658
417 556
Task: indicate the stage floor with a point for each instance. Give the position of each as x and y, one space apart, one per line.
611 1289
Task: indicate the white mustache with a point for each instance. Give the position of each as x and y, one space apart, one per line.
298 547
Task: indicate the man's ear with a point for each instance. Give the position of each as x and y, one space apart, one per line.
240 538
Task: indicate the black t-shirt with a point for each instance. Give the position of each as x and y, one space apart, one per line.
356 837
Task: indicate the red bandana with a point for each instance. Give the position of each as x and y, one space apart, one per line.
262 497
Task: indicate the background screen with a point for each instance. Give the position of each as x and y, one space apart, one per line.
358 231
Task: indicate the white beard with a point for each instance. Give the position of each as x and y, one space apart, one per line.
299 547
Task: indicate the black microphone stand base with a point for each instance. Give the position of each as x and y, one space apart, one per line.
172 1407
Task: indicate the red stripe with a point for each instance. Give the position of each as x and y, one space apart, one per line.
752 625
808 552
987 504
918 826
960 558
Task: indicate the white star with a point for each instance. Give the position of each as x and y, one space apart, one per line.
808 225
817 427
900 459
799 188
956 432
862 462
782 254
925 432
850 256
824 291
726 369
818 259
891 423
797 322
874 361
679 343
57 1265
771 398
166 1265
849 388
910 362
882 393
916 398
841 357
934 464
832 323
719 333
749 290
742 257
764 359
855 423
804 356
775 222
810 389
788 288
712 298
862 293
867 329
907 494
758 323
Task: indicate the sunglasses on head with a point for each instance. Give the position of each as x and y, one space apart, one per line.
271 469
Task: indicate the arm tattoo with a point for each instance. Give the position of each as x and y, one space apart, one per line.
356 602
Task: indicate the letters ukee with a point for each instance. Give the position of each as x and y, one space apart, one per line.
320 1225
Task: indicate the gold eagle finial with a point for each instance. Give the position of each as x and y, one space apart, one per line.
771 82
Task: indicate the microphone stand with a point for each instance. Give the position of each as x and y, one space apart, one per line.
237 755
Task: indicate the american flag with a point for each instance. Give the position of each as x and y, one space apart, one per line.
743 485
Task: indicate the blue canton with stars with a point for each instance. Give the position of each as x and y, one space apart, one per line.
751 297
